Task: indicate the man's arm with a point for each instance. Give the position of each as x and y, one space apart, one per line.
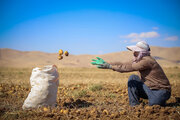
131 66
122 67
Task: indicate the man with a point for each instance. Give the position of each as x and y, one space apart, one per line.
151 84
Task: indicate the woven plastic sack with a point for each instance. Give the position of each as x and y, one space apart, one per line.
44 84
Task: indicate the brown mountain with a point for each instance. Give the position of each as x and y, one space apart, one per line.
12 58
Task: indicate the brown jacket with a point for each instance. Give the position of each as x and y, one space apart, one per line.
150 71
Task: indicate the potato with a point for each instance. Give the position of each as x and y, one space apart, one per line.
60 57
45 109
60 52
66 53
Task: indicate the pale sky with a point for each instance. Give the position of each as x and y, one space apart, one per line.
88 26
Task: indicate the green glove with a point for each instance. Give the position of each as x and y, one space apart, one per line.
101 63
98 61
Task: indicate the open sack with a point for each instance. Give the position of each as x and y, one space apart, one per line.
44 84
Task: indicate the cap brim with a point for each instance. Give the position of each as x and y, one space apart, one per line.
134 48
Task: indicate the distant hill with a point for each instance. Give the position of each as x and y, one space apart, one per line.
166 57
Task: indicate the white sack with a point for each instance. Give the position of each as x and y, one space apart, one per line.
44 84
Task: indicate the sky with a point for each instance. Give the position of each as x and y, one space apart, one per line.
88 26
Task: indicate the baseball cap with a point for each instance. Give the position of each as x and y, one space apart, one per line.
140 46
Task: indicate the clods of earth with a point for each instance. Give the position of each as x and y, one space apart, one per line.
82 101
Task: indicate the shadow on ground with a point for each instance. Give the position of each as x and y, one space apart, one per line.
77 104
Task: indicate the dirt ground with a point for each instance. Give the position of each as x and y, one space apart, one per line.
84 93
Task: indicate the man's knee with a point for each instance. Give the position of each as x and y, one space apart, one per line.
160 99
133 77
134 81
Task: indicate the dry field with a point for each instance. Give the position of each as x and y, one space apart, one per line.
84 93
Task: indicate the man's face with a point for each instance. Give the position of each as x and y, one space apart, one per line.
136 54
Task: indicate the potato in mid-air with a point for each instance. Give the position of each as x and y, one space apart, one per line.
60 57
60 52
66 53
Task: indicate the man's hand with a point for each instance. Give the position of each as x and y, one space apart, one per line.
101 63
98 61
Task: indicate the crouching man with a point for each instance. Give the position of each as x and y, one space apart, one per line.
151 84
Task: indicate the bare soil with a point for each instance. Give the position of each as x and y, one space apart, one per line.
98 100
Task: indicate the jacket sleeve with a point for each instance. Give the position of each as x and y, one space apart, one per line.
131 66
122 67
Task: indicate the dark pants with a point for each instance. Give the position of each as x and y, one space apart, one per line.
137 89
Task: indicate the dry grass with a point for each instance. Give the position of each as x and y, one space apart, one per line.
67 76
84 93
